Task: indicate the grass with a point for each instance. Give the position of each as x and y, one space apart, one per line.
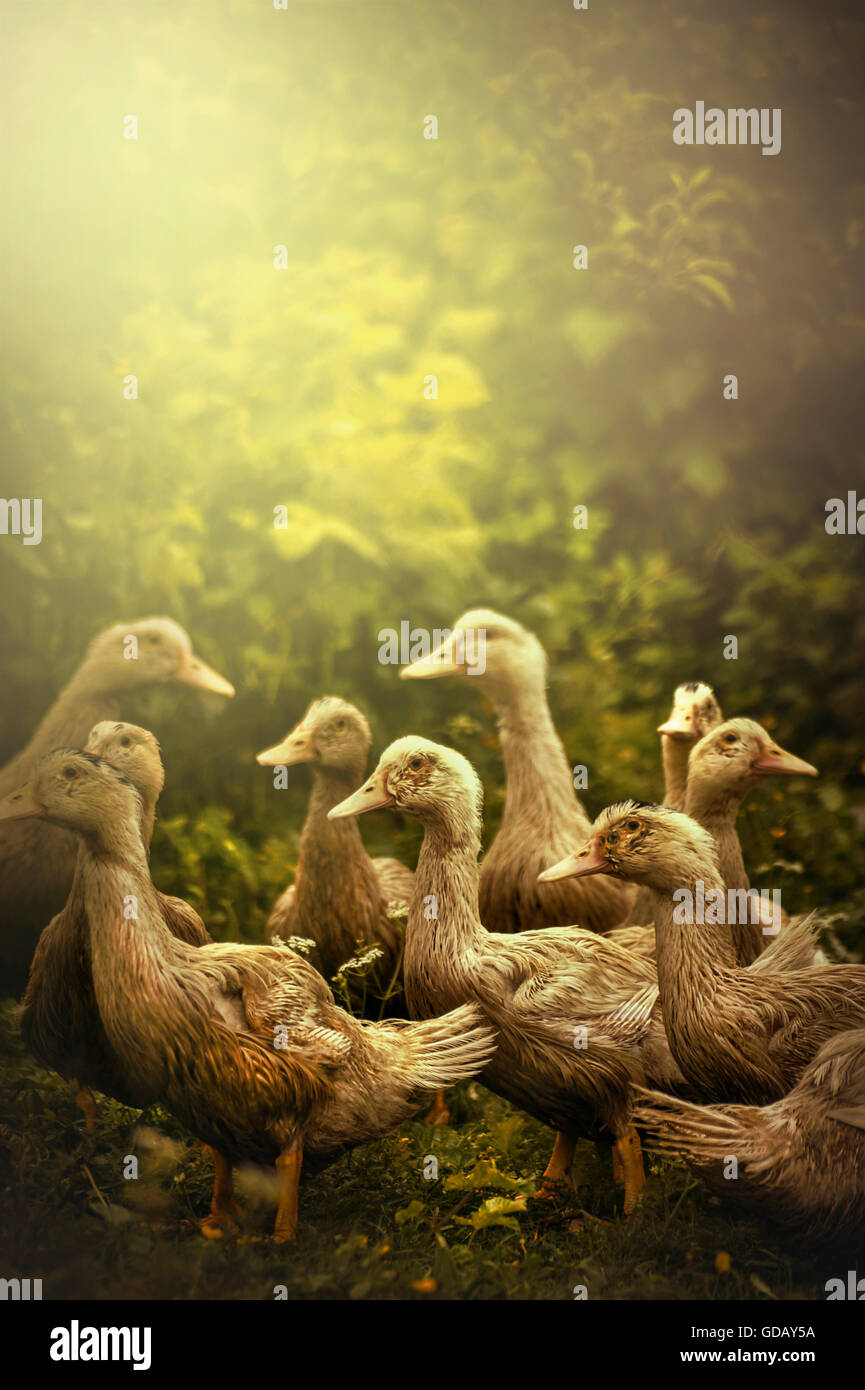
373 1226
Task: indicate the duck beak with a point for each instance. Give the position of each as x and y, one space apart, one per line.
296 747
681 723
370 797
21 803
588 860
194 671
775 760
443 661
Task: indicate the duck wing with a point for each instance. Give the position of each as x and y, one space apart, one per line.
277 995
183 921
395 881
792 949
570 979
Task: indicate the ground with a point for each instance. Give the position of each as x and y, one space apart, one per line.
372 1225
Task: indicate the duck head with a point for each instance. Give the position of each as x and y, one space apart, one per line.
695 712
152 651
434 784
732 759
77 790
649 845
332 734
496 651
134 752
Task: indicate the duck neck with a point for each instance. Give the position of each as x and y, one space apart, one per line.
131 949
335 876
717 813
674 760
539 778
690 953
148 819
444 925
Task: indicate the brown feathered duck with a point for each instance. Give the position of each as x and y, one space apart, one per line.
576 1015
542 816
340 897
60 1021
800 1161
37 860
741 1034
243 1043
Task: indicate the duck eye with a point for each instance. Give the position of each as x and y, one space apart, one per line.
340 724
125 742
153 639
70 772
729 738
633 825
416 763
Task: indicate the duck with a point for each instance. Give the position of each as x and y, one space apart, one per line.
695 712
37 861
800 1161
724 766
340 897
576 1015
542 815
738 1034
136 753
244 1044
59 1018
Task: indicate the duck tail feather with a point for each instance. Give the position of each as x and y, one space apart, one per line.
451 1048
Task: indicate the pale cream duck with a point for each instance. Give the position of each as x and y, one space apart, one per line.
695 712
728 763
542 816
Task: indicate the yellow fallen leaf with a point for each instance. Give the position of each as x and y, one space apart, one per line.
722 1262
424 1285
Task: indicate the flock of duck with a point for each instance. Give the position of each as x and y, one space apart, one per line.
560 971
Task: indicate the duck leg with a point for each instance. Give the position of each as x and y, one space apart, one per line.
224 1211
630 1154
438 1113
557 1175
84 1100
288 1167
